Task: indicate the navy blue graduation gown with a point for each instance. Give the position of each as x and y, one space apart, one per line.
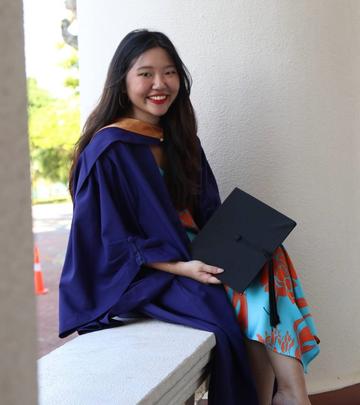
123 218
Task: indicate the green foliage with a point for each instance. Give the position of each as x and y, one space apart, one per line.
70 63
72 82
37 97
72 60
54 124
54 127
54 163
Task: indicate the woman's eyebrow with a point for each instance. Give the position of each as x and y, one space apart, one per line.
152 67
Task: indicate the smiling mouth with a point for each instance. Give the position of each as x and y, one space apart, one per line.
158 99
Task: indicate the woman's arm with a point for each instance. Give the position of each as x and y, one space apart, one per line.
194 269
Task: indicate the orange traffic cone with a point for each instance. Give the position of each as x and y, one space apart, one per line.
38 277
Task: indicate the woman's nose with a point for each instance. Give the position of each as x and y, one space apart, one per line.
159 82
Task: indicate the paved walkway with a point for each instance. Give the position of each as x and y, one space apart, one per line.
51 224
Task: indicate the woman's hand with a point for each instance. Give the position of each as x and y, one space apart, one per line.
200 271
195 269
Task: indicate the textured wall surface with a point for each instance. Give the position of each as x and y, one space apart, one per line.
17 304
277 94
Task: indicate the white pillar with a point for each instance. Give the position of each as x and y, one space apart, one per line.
277 94
17 304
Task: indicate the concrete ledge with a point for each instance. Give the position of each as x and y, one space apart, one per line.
143 362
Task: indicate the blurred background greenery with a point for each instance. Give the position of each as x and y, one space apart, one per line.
54 120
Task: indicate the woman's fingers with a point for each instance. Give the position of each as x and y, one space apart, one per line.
202 272
211 269
208 272
213 280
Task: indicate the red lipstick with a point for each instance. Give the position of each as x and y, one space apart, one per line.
158 99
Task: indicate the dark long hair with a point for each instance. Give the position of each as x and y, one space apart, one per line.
179 123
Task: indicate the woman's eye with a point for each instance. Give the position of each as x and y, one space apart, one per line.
145 74
171 72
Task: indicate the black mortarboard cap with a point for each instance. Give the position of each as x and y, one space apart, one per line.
241 237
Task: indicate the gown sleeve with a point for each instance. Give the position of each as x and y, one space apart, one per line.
106 247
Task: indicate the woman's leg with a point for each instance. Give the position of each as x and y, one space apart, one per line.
291 388
261 369
289 373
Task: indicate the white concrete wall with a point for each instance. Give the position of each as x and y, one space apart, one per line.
277 94
17 304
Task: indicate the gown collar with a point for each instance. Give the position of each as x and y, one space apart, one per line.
139 127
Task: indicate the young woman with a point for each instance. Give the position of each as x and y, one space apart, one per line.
142 188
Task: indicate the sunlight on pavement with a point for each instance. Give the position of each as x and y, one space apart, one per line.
51 217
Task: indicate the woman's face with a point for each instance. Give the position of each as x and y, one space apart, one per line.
152 85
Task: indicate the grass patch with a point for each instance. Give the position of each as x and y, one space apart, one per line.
36 201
